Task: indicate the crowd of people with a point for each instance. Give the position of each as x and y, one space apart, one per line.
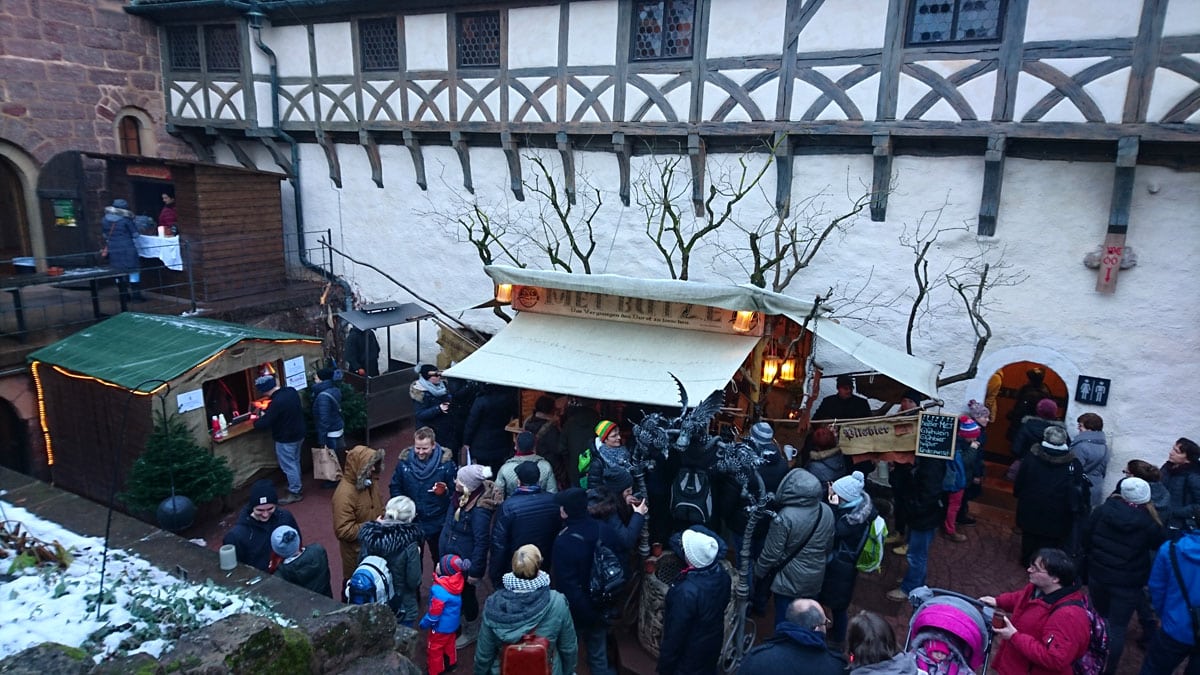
530 514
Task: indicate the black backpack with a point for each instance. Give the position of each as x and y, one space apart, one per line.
1079 497
608 574
691 497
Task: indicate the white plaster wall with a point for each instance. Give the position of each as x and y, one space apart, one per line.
1051 214
1055 20
845 24
533 37
290 44
1183 18
425 42
592 33
739 28
335 49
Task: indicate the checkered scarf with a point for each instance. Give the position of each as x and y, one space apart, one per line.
518 585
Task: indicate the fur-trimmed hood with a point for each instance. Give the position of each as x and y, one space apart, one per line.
360 461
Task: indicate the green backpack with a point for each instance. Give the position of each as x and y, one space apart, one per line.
871 556
585 462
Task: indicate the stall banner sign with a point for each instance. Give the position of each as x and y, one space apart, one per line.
144 171
625 309
189 400
293 373
877 434
64 212
937 435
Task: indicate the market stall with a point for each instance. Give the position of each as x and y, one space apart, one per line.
97 391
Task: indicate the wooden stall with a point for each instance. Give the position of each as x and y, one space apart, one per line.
98 392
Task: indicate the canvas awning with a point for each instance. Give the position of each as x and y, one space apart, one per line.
606 360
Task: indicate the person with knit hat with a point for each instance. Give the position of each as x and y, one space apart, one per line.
694 609
854 512
251 536
305 566
528 516
961 471
284 416
607 451
975 469
525 449
443 617
394 537
1119 540
572 569
617 506
467 534
120 234
326 397
1046 486
1031 428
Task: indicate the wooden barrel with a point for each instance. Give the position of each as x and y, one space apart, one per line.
654 600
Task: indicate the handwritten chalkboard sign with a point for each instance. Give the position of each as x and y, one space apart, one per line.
937 435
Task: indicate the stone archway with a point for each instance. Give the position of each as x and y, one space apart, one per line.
18 194
21 446
1013 362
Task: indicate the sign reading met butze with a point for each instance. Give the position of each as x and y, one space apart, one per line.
586 305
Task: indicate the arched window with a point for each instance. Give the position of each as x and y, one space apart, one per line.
134 130
129 136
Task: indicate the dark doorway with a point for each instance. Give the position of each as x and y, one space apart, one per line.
14 226
1014 376
14 449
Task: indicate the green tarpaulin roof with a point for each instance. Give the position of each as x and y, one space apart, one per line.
131 348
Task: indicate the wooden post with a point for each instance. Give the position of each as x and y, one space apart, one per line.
1118 215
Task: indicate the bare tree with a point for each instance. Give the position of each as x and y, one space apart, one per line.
558 224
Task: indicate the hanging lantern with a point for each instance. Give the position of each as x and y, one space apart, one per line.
770 368
743 322
504 293
787 370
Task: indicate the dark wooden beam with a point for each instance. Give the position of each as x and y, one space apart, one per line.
784 161
1146 49
464 158
1008 62
199 145
881 175
513 156
418 158
697 155
563 141
231 142
335 166
623 148
993 180
366 140
282 160
1122 197
891 58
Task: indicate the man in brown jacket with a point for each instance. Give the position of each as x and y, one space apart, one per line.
358 499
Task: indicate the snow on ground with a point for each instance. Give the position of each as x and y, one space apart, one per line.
144 609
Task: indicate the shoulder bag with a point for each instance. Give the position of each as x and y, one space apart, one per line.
769 578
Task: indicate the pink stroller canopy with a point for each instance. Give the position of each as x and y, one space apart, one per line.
959 618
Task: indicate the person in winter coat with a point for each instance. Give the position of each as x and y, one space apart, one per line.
974 463
395 538
305 566
616 506
854 512
444 614
871 646
578 424
1042 487
284 416
826 460
120 239
798 541
544 425
431 404
772 470
468 535
1119 539
528 516
251 536
694 610
1091 447
424 474
572 570
843 405
525 604
924 506
607 451
1049 628
1181 475
958 476
1176 641
798 646
1028 396
327 414
1033 427
358 499
484 435
506 480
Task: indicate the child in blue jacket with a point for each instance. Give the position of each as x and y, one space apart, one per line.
445 606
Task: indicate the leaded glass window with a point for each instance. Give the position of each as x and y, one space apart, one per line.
378 44
663 29
479 40
184 45
955 21
222 52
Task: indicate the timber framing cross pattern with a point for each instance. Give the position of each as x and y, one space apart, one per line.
859 100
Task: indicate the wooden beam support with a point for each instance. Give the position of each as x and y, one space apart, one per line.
697 155
414 149
623 148
200 146
881 175
784 166
232 143
563 141
993 181
367 140
464 158
1146 49
513 156
1118 215
282 160
331 158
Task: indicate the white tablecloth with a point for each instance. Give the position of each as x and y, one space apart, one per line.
165 249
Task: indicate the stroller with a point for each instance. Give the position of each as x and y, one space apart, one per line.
949 633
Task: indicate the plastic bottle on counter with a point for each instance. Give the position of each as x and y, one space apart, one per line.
223 421
216 425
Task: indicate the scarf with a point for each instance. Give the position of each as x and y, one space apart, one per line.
435 389
614 457
465 500
424 470
518 585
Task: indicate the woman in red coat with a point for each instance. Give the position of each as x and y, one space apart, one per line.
1049 627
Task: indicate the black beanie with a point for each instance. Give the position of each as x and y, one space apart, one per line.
528 473
263 492
573 501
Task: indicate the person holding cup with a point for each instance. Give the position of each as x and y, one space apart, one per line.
424 474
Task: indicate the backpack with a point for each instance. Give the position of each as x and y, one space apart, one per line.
1079 497
871 557
528 656
371 582
691 497
608 574
1093 660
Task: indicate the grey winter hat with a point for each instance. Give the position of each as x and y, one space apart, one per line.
762 433
1055 438
285 541
849 488
264 384
120 204
1135 490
